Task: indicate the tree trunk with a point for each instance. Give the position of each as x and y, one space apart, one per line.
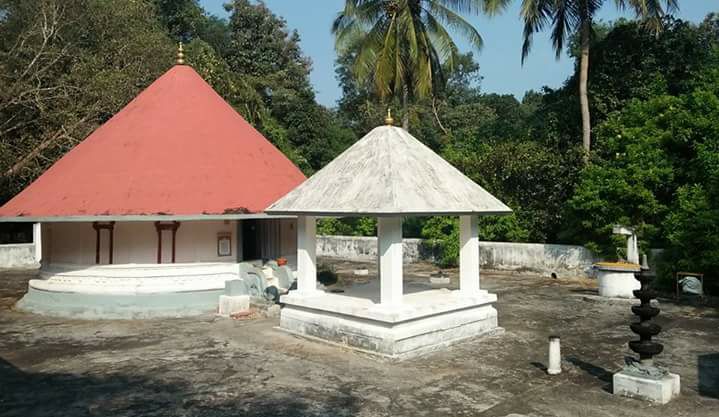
436 116
583 96
405 108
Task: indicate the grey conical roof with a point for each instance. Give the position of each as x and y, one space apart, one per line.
388 172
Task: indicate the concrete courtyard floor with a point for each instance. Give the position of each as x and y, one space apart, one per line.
207 366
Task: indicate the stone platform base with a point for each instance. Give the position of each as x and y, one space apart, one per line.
233 304
624 302
659 390
426 321
128 291
617 282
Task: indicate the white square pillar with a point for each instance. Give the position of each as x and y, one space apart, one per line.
306 254
468 255
389 251
37 240
632 249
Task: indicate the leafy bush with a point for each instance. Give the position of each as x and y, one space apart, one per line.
326 274
532 179
351 226
443 232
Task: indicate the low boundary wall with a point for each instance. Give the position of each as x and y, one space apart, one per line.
563 260
18 256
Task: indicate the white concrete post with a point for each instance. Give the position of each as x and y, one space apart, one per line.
632 249
37 240
389 251
306 250
554 366
468 255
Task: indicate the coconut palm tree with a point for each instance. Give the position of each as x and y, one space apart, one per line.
400 46
566 18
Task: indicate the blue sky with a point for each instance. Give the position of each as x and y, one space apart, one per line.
499 59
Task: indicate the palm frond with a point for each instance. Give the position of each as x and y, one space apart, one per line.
536 15
490 7
402 45
368 48
456 22
566 17
651 12
439 37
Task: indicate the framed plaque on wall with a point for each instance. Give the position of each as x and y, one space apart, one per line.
224 244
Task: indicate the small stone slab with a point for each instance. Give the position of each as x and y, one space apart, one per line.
655 389
611 300
439 282
230 305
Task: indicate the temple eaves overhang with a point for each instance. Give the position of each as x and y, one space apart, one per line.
141 218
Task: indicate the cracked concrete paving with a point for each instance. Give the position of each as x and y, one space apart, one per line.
207 366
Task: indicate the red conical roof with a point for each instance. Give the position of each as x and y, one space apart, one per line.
178 148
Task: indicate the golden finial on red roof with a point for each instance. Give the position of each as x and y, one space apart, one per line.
180 58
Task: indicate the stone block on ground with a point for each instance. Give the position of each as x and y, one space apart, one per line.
273 311
659 389
233 304
439 281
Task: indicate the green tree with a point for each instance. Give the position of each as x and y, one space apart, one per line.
186 20
568 17
534 180
65 68
349 226
269 56
655 163
627 63
182 18
401 46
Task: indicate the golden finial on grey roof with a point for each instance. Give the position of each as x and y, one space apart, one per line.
389 121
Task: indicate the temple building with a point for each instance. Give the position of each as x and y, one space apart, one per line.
390 175
157 208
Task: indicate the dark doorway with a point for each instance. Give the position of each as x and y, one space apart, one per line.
15 233
251 249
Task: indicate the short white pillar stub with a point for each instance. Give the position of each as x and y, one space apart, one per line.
389 252
554 366
632 249
468 255
37 240
306 254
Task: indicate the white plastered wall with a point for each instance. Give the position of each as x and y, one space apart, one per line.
288 237
136 242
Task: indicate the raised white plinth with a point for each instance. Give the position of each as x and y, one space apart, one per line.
655 389
135 278
127 291
423 322
617 281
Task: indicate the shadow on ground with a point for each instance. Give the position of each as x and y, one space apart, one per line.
596 371
48 394
709 375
